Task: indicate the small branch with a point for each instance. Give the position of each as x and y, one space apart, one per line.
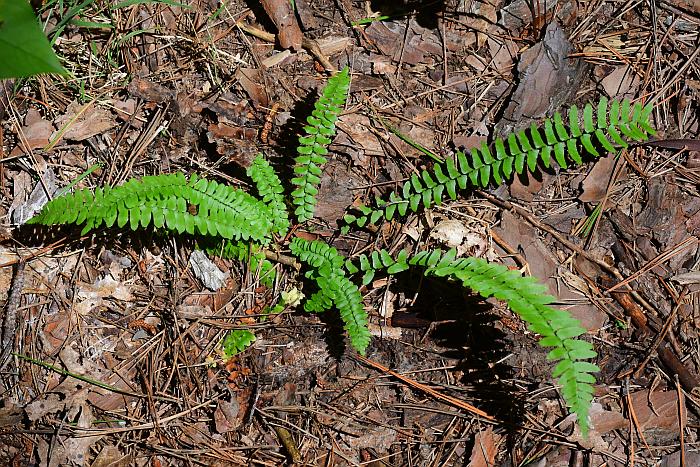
9 327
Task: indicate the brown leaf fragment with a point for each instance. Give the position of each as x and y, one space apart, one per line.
251 81
10 414
595 185
150 91
418 45
83 122
110 456
542 264
621 82
336 191
34 134
690 5
226 416
485 448
281 13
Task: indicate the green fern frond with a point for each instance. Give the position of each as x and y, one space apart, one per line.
270 189
378 260
313 145
236 341
163 200
592 132
528 298
334 288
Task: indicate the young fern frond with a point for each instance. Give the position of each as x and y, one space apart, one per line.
526 297
163 200
312 146
334 288
270 189
593 133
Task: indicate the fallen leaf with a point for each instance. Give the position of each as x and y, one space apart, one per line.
226 416
81 122
251 80
595 185
111 456
621 82
485 449
34 134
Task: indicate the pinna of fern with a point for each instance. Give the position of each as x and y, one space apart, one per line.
525 296
312 146
165 202
592 132
335 289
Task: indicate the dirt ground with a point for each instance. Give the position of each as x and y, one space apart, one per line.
115 337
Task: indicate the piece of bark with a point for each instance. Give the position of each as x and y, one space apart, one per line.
281 13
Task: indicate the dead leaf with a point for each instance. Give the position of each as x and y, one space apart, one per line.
691 5
23 211
206 271
540 259
485 449
251 80
621 82
110 456
150 91
336 191
418 45
35 133
595 185
226 416
81 122
41 407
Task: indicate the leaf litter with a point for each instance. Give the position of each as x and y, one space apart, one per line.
193 89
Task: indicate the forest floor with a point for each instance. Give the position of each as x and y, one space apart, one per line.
117 357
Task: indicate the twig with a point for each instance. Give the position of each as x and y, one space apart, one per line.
310 45
9 327
426 389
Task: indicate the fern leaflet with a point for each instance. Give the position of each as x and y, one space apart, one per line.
270 189
163 200
312 146
603 130
526 297
334 288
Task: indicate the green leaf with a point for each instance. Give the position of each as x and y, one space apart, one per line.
24 49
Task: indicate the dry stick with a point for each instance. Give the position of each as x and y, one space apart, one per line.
426 389
309 45
9 328
662 334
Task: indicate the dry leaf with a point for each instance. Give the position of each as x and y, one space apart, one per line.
83 121
35 133
595 185
485 449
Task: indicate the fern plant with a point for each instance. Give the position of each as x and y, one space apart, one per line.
230 222
611 126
